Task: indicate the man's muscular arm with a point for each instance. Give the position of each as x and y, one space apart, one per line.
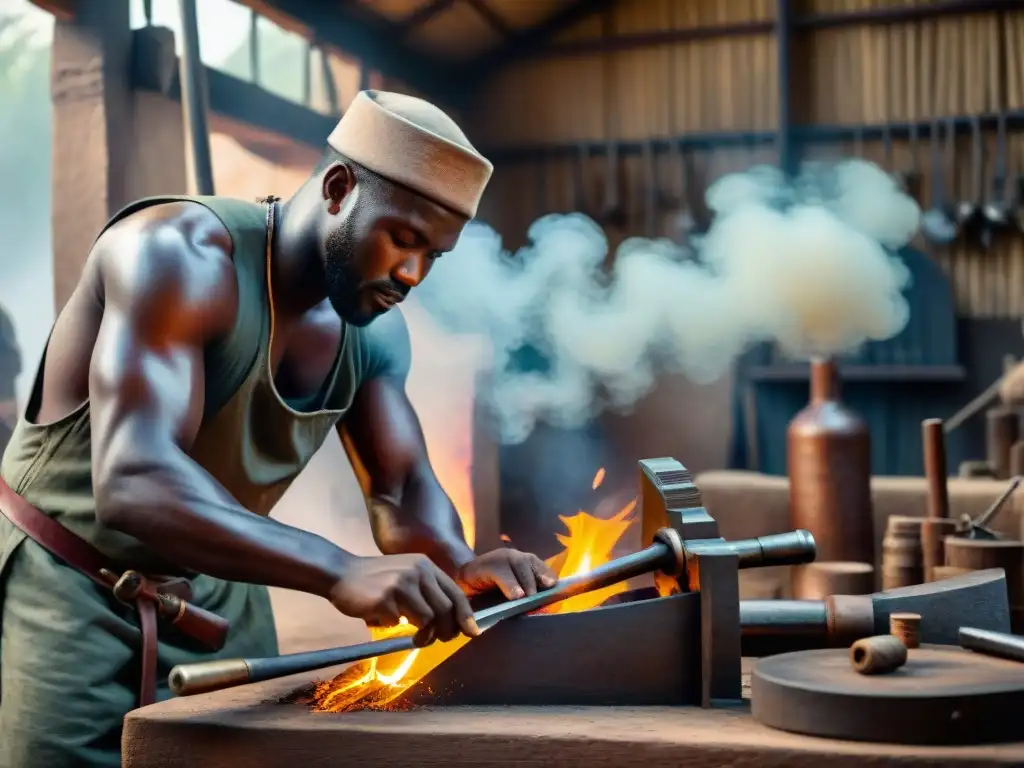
168 287
409 510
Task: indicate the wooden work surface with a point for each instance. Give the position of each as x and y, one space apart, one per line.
248 727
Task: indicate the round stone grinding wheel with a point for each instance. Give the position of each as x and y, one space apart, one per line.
943 695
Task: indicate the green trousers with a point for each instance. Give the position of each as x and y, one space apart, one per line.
70 655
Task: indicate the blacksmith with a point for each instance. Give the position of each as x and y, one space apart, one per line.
209 349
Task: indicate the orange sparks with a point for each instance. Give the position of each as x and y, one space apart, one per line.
379 683
598 479
505 538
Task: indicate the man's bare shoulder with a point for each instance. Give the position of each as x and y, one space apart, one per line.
169 259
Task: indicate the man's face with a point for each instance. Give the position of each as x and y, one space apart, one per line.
380 245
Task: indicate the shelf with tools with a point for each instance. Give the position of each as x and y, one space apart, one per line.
801 135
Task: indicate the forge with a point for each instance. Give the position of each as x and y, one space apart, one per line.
622 676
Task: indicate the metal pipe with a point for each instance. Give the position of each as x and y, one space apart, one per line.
784 617
793 548
665 554
193 100
1000 644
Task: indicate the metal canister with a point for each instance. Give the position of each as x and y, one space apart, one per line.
829 462
902 564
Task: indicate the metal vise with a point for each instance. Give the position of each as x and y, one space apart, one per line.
668 498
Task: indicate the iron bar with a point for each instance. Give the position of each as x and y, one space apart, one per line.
807 22
788 161
802 135
194 99
147 12
999 644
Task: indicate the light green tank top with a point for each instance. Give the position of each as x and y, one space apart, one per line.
251 440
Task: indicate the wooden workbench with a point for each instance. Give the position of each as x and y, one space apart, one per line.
249 727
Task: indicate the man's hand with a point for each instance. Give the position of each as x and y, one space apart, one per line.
515 573
381 590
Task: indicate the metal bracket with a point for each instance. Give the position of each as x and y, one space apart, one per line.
716 578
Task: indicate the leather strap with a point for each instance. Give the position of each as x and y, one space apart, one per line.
86 559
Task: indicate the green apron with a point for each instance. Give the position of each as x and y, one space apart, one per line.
69 652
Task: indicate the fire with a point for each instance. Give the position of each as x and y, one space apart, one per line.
598 479
378 683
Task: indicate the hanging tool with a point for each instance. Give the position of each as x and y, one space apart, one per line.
997 217
938 221
970 214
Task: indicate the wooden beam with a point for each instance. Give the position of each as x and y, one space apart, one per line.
871 16
491 16
802 135
238 100
529 41
367 37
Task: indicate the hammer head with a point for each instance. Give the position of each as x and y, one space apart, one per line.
976 599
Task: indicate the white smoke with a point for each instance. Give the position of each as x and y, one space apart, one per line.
804 264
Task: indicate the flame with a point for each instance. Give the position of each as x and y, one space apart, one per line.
378 683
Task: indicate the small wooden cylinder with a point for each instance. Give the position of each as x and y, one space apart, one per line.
816 581
933 544
1002 428
935 473
906 627
979 554
902 564
878 655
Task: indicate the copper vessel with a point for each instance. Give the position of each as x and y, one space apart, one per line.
829 461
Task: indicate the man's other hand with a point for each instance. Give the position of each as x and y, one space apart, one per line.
515 573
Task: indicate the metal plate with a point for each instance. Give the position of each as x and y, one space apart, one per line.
645 652
943 695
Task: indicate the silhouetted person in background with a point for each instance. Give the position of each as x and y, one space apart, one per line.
210 348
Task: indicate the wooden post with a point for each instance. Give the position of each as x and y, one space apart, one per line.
91 122
111 145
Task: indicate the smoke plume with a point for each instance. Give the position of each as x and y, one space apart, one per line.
806 264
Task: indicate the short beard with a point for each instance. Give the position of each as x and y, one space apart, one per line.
342 280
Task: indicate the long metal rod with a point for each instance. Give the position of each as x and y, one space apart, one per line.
802 134
992 643
193 100
801 23
665 554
